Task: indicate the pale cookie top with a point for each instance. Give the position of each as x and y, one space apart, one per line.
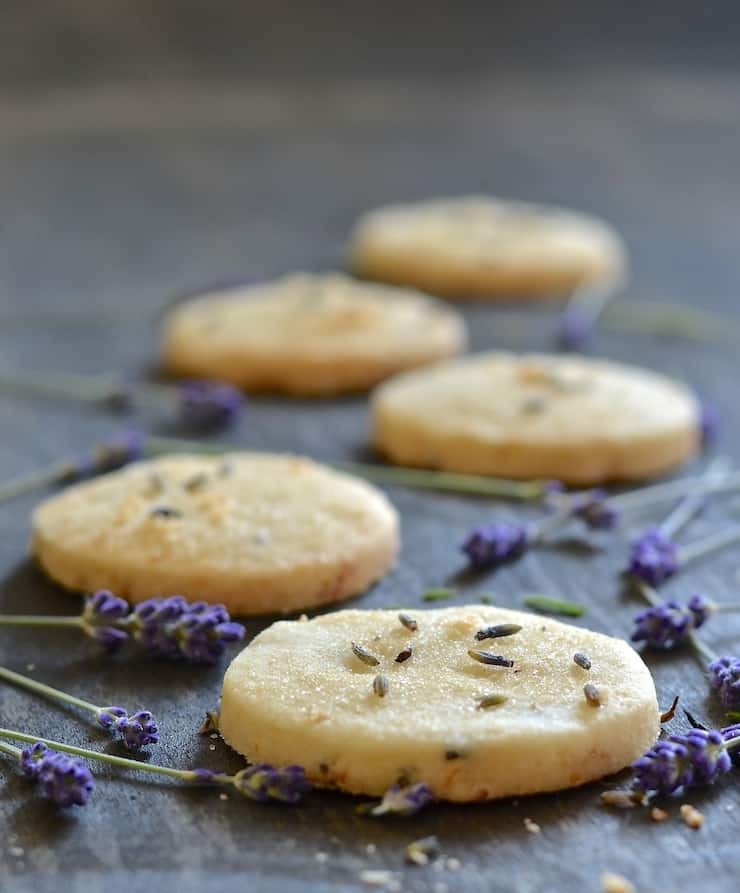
306 312
240 513
504 233
308 674
556 400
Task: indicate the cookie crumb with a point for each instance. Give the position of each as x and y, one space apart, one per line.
30 668
691 816
531 826
16 851
223 796
453 864
370 848
615 883
380 879
658 815
322 857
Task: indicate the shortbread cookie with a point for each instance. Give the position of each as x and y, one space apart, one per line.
261 533
487 248
309 335
579 420
307 693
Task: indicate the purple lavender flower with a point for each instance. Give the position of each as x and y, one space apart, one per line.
209 404
491 544
668 624
100 617
653 557
115 453
681 761
709 423
63 779
31 759
399 800
595 509
264 782
728 733
173 628
576 327
206 630
724 677
138 730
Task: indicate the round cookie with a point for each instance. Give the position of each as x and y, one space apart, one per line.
486 248
299 694
309 334
259 533
578 420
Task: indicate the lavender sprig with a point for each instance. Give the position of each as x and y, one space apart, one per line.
169 627
107 456
198 404
668 624
64 780
136 730
261 783
724 677
682 761
398 800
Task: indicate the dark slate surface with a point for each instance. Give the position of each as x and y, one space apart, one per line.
142 152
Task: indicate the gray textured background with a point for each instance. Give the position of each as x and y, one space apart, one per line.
150 147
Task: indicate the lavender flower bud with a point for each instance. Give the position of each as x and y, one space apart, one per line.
709 424
173 628
576 328
137 731
668 624
108 456
209 404
264 782
595 509
653 557
492 544
31 759
100 617
402 800
724 677
107 717
65 780
62 779
728 733
679 762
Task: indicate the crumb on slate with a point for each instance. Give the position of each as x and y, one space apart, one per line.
615 883
531 826
386 879
658 815
691 816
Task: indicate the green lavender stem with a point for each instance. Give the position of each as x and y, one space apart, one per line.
691 505
669 319
39 620
46 690
9 750
34 480
121 762
70 386
706 546
186 775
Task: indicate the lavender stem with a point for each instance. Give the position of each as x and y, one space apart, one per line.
27 483
693 503
122 762
39 620
708 545
47 690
